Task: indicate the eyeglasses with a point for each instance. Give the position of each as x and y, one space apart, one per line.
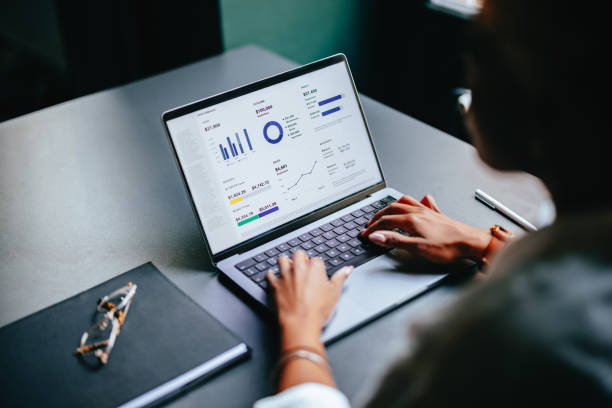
100 338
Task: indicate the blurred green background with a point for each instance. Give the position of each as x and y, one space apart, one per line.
299 30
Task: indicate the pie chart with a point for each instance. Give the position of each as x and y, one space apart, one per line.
273 132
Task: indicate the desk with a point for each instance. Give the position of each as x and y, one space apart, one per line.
89 189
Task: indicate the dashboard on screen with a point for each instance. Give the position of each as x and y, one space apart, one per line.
263 159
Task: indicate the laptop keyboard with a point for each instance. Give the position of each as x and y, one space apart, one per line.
336 242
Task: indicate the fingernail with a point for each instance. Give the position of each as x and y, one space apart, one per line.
348 270
377 237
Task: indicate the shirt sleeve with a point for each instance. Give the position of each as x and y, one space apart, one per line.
308 395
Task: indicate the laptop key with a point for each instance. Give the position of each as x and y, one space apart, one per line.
354 233
329 235
321 248
332 243
332 253
368 209
350 225
250 271
378 205
311 253
357 213
337 223
388 200
294 250
358 250
361 221
347 256
315 232
264 284
340 230
275 269
324 257
271 261
260 257
335 261
347 218
343 247
294 242
343 238
354 242
259 276
271 252
327 227
264 266
306 246
246 264
318 240
283 247
305 237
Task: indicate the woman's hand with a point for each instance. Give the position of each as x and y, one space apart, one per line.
305 297
433 235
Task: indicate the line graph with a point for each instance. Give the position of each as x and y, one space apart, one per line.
302 175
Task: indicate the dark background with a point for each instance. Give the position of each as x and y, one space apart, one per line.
401 53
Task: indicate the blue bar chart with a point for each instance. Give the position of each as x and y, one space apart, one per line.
246 135
234 147
330 100
332 110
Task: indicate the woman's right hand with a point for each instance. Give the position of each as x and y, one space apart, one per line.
433 235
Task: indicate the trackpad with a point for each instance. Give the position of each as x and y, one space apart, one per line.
378 285
391 279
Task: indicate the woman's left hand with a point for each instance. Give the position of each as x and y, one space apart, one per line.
305 296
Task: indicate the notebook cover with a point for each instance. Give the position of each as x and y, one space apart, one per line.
167 340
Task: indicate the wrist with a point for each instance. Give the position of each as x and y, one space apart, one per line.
303 333
476 243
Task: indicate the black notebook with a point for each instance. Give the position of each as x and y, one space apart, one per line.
167 342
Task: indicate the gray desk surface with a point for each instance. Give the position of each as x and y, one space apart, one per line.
89 189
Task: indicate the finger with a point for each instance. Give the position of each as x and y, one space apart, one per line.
272 279
339 277
428 201
390 222
285 266
392 239
391 209
406 199
300 262
317 265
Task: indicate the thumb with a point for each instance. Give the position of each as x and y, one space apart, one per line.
340 276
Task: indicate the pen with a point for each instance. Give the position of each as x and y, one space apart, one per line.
502 209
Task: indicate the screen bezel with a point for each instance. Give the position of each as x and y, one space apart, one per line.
246 89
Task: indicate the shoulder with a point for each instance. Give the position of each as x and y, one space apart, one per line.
538 331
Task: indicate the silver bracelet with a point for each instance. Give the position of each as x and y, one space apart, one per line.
300 353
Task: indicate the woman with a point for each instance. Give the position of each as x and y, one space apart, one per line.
539 331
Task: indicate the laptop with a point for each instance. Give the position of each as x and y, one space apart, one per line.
288 163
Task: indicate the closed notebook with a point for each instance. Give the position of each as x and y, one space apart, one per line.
167 342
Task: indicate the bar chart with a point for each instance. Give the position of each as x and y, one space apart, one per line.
235 147
330 100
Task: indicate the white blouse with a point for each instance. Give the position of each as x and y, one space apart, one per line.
308 395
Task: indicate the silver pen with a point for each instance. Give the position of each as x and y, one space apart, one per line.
502 209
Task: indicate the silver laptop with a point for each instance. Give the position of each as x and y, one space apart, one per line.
288 163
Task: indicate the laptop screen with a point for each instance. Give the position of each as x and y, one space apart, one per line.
265 158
